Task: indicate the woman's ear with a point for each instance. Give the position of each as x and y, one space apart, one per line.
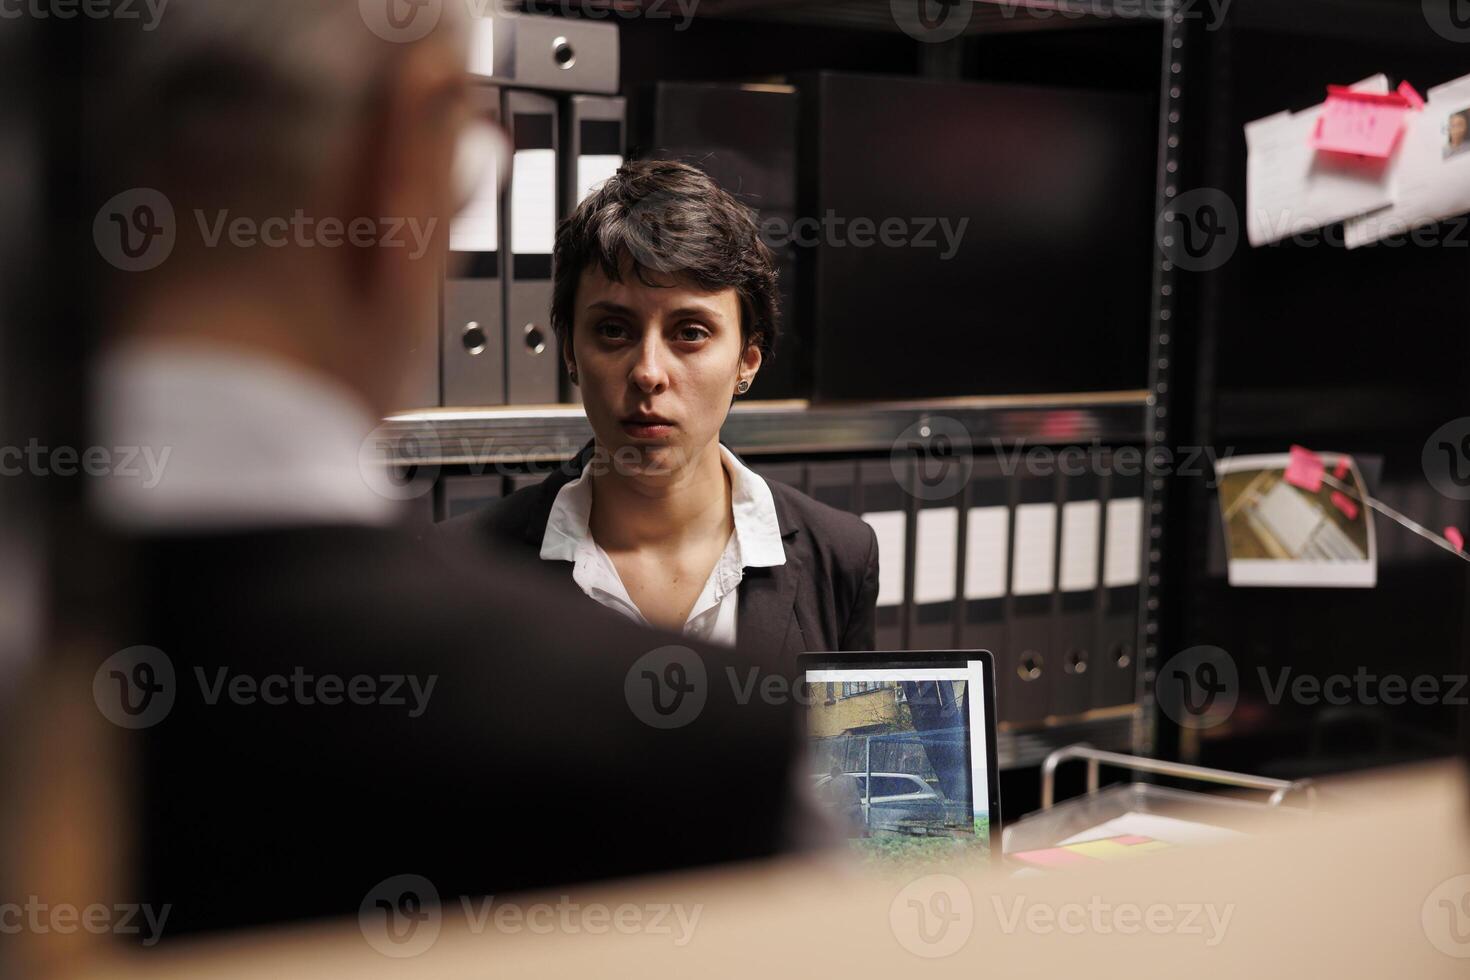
569 357
750 362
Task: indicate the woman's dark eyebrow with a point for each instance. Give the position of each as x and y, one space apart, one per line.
609 307
703 312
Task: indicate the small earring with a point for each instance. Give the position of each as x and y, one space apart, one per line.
573 375
742 387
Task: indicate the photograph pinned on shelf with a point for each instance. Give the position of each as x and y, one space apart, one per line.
1457 133
1296 519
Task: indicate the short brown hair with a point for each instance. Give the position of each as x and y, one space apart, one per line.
671 218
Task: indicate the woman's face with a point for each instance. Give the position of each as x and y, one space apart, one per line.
657 366
1458 127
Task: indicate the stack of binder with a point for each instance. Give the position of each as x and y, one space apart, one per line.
550 83
987 552
1123 546
1041 569
938 490
1026 666
472 351
1078 567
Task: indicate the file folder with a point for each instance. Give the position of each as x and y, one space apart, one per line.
1030 656
1123 544
1078 575
531 358
987 552
471 348
884 504
491 54
537 51
594 141
458 495
934 617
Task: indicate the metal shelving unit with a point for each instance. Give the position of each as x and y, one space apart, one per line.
518 435
1110 728
984 16
550 433
510 436
1165 297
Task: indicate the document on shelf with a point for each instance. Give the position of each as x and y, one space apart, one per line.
1429 178
1292 188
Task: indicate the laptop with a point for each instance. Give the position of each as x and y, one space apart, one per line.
902 750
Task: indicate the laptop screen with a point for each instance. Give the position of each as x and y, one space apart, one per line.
902 750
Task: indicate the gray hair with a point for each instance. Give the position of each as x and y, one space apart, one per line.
238 103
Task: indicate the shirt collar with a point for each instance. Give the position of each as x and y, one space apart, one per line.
756 527
250 441
757 532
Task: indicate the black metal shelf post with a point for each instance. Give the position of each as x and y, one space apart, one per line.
1165 288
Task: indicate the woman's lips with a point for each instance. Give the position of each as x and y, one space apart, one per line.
651 429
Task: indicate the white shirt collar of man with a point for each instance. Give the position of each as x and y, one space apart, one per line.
756 543
241 440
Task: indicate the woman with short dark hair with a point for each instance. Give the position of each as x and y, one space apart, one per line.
665 306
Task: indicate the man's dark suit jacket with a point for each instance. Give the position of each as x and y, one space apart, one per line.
530 767
824 598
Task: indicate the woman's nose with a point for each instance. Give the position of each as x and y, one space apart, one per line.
649 373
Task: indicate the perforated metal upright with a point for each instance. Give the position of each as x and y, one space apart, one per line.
1156 426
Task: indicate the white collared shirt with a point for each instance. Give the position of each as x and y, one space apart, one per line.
756 543
221 437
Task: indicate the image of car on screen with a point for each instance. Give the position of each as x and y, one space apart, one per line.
895 803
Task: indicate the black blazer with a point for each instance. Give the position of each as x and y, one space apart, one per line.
824 598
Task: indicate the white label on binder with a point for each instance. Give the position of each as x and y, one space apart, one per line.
477 226
937 541
892 534
482 46
1081 522
533 203
1034 570
593 170
985 552
1125 524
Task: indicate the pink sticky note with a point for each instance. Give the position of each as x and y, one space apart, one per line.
1345 504
1131 839
1052 857
1305 469
1362 123
1454 537
1415 100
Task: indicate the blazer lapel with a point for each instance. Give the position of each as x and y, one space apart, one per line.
767 604
535 529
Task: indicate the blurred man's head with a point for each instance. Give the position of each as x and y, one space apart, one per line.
302 152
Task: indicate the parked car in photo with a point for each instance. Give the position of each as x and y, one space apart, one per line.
903 803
